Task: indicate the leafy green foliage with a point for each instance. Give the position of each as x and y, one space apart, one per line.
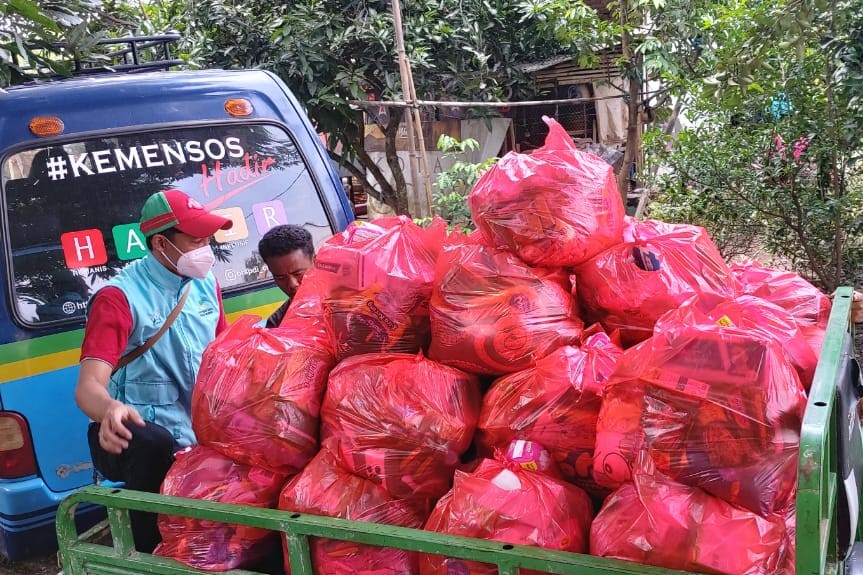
333 51
453 185
748 73
133 18
671 41
39 37
773 167
846 43
30 30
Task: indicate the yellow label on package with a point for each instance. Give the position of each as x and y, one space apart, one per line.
725 321
529 465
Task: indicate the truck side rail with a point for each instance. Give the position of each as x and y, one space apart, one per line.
81 557
818 478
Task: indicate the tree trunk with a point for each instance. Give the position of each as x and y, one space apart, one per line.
633 122
382 190
400 199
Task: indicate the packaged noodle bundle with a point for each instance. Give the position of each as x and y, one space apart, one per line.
716 404
258 395
203 473
658 267
401 420
324 487
492 314
506 501
554 207
373 283
655 521
555 404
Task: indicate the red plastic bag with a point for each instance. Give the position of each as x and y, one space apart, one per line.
401 420
203 473
789 563
555 404
325 488
716 404
749 313
556 207
808 305
656 269
306 314
374 281
258 395
658 522
492 314
502 501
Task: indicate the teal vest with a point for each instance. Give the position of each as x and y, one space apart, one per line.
159 383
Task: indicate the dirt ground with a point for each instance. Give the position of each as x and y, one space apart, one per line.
46 565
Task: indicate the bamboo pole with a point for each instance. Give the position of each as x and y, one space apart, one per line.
413 123
406 94
459 104
424 166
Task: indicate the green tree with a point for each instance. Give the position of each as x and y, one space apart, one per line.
31 29
665 46
749 73
772 159
49 37
132 18
333 51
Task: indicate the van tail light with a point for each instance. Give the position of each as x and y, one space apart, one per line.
17 457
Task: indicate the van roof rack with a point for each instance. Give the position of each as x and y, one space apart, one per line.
129 54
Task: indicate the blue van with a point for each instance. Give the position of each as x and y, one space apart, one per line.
78 157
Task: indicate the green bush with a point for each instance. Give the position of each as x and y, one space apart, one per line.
452 186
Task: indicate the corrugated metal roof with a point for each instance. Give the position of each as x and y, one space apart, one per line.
531 67
564 69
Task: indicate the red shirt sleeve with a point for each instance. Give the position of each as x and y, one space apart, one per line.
223 321
109 323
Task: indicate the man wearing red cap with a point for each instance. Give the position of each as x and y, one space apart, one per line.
146 331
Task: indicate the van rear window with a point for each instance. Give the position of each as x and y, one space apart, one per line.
72 209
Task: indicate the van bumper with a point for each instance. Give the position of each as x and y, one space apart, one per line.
27 512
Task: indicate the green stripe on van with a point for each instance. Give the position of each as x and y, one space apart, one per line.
19 350
254 299
37 346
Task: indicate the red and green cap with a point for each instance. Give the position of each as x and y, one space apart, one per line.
174 209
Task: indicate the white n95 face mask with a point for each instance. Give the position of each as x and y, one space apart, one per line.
196 263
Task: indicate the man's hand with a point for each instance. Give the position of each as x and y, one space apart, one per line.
857 307
114 436
92 397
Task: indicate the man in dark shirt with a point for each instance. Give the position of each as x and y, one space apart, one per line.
289 253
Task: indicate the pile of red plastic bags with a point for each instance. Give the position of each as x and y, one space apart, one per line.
564 377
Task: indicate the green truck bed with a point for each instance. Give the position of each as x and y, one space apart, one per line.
830 471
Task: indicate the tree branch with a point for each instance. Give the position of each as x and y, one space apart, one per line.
814 262
105 15
360 175
387 192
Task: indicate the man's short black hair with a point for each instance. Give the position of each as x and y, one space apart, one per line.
282 240
169 233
